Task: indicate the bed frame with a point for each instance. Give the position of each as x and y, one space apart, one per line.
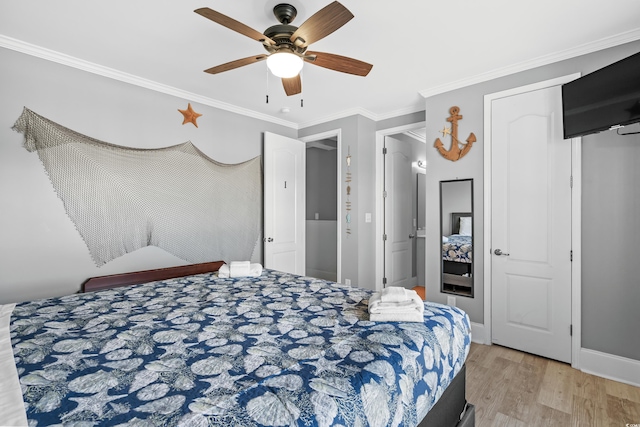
451 409
137 277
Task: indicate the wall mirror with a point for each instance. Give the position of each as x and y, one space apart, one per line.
456 228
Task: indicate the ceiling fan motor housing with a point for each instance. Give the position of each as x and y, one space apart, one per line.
281 34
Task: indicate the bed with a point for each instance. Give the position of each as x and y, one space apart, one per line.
185 347
457 256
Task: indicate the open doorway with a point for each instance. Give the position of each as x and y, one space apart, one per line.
323 171
400 160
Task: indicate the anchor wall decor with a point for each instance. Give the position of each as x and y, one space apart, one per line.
458 148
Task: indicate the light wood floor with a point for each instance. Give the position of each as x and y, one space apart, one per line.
511 388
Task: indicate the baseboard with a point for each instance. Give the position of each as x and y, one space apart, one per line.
477 333
610 366
593 362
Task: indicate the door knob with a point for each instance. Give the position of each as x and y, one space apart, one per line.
412 235
268 239
499 252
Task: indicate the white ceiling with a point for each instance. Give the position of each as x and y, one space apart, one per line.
417 47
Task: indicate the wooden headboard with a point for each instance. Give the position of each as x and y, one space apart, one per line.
137 277
455 220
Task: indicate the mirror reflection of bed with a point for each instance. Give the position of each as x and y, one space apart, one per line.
456 222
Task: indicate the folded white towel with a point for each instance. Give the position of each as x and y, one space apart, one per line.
393 294
255 270
409 310
414 302
397 317
240 270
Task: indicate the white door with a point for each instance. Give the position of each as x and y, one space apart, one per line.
284 204
531 224
397 213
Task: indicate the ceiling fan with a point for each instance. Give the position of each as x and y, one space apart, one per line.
286 45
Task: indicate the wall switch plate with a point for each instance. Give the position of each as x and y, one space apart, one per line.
451 301
367 217
347 282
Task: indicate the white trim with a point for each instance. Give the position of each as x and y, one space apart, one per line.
584 49
80 64
477 333
487 219
576 247
325 135
101 70
418 137
339 115
379 219
576 160
610 366
61 58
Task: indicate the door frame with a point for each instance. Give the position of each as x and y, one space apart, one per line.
576 216
379 200
337 133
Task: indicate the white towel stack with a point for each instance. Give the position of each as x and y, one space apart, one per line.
396 304
240 269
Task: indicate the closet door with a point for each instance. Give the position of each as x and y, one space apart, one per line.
531 224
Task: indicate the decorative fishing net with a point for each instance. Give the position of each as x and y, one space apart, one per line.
176 198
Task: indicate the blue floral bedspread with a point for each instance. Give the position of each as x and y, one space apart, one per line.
458 248
277 350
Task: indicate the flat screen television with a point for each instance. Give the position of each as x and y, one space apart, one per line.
603 99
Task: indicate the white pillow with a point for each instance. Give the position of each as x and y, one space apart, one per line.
465 226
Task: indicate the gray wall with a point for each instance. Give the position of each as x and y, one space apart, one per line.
610 285
353 139
611 242
41 253
322 181
359 136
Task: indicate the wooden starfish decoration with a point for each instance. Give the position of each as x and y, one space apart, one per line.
190 116
445 131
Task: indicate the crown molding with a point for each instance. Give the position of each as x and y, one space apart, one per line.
70 61
415 135
401 112
584 49
339 115
365 113
80 64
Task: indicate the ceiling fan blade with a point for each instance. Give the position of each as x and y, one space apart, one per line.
321 24
234 25
236 64
338 63
292 85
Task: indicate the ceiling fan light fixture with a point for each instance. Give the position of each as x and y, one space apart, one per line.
284 64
